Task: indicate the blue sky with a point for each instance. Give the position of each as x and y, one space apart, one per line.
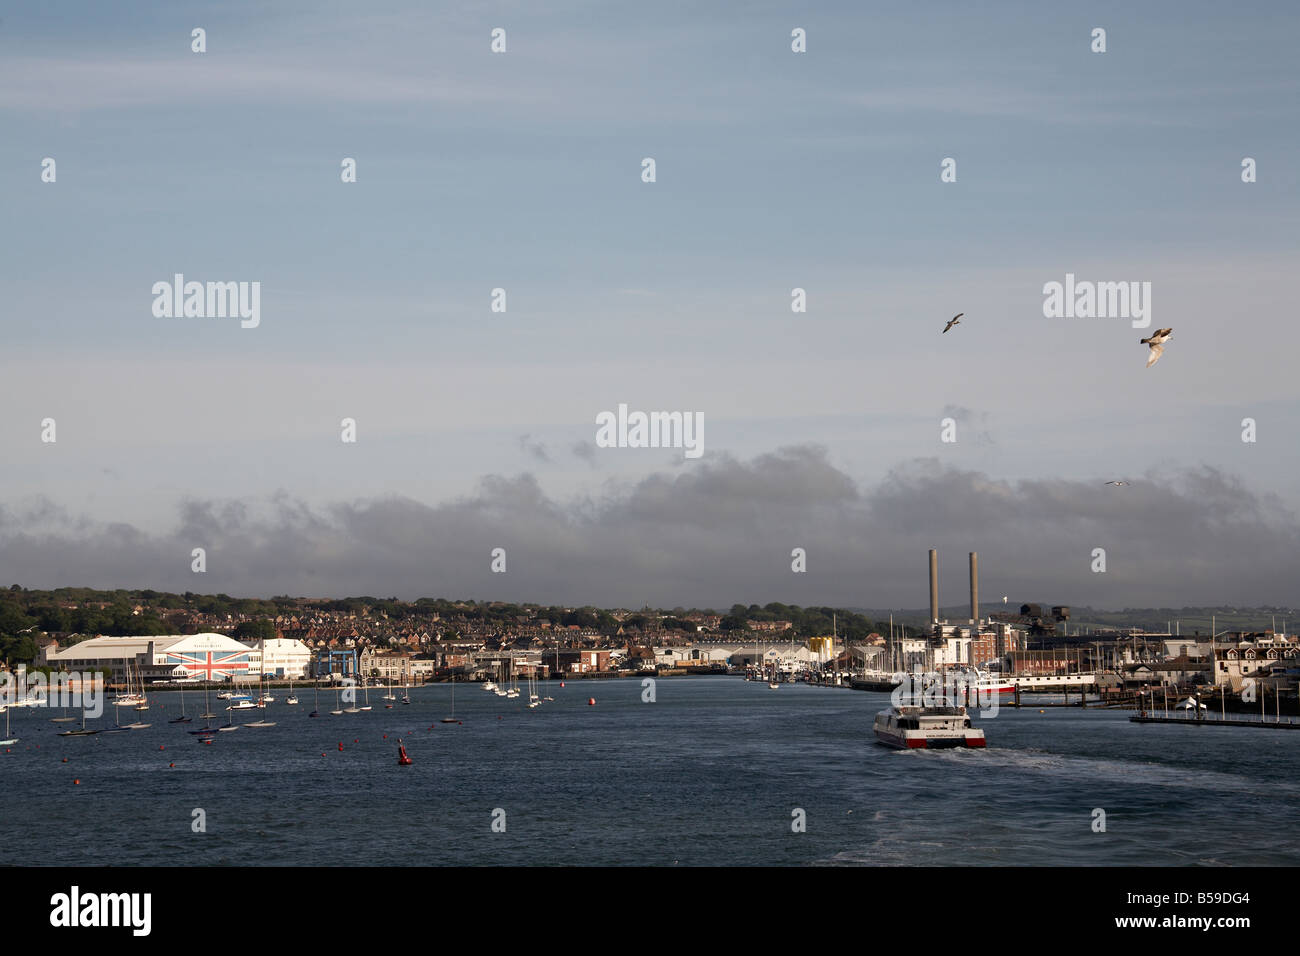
522 170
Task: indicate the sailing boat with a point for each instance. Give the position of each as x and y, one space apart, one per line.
128 697
182 719
117 728
144 701
8 740
263 700
452 718
208 715
336 702
367 704
241 702
206 730
292 698
406 696
533 699
354 709
83 732
316 710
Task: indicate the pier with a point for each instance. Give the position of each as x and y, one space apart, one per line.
1237 720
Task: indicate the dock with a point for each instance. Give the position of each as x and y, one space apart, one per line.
1279 723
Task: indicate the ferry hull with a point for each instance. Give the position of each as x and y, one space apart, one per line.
930 743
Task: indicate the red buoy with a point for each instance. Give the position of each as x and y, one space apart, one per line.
591 702
402 759
340 745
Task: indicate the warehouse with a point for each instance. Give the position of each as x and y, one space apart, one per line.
205 656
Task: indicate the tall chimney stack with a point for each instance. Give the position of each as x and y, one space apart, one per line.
974 590
934 586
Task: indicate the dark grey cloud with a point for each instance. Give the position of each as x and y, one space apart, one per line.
712 534
970 422
534 448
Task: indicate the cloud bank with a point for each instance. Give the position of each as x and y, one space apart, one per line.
706 536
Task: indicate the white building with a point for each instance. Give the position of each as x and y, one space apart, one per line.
206 656
283 657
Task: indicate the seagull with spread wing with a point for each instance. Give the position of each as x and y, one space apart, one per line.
1117 482
1157 343
953 321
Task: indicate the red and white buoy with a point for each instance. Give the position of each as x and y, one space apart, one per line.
402 759
591 702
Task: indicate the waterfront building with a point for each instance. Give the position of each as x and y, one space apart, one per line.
1235 663
206 656
283 657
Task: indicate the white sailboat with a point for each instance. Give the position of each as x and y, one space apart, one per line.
338 706
144 701
8 740
263 700
533 699
452 718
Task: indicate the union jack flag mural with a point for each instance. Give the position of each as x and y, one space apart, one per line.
212 665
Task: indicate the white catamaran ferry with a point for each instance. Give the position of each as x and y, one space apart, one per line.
910 727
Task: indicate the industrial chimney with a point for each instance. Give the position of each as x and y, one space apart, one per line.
974 590
934 586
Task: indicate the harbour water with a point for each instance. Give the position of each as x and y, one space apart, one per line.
710 773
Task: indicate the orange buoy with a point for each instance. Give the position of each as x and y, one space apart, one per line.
76 781
65 759
561 683
591 702
171 765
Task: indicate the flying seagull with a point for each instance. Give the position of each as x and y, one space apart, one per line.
953 321
1117 482
1157 343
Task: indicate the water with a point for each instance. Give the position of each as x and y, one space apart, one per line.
709 774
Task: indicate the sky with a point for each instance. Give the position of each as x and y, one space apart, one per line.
775 170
